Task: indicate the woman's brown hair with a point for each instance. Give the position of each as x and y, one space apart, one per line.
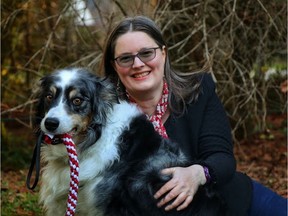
183 86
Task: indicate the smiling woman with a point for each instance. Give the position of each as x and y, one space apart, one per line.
140 66
183 107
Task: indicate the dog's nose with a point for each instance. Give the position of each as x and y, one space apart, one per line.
51 124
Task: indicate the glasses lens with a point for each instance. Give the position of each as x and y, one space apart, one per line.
125 61
147 55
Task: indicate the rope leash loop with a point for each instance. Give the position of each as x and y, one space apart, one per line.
35 162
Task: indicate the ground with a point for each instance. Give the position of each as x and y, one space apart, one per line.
262 156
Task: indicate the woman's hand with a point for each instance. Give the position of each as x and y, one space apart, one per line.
182 186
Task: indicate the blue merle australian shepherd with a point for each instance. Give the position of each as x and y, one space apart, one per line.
120 154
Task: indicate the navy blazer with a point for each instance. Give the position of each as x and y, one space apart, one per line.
204 134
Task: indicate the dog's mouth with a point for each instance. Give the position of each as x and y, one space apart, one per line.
55 139
73 132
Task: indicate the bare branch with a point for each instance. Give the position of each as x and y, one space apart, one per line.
18 107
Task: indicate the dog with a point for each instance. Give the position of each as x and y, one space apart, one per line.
120 154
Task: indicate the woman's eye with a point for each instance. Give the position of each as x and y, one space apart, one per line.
77 101
146 53
125 58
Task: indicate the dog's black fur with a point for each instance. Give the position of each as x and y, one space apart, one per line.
122 184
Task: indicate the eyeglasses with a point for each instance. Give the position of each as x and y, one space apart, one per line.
144 55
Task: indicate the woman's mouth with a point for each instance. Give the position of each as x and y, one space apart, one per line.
140 75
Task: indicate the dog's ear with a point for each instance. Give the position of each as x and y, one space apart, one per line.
37 94
104 98
37 88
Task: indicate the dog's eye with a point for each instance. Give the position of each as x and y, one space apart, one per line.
49 97
77 101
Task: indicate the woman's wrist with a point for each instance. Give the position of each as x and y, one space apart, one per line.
207 174
204 175
200 173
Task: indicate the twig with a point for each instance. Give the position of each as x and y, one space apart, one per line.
271 19
23 123
18 107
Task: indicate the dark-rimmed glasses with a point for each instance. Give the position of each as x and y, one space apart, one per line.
145 55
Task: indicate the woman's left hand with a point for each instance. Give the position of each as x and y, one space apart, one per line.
182 186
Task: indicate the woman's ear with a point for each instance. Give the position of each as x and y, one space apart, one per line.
164 51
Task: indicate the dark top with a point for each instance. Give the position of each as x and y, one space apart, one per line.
204 134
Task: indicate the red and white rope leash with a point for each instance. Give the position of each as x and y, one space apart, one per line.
74 172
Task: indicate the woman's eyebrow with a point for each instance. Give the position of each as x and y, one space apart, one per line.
130 53
125 53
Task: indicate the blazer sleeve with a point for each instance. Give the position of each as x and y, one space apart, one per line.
215 145
204 133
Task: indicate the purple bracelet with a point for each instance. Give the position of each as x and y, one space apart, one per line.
207 175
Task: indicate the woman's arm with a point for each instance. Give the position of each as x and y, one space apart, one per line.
215 145
205 133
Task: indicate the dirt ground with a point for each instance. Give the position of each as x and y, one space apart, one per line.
264 156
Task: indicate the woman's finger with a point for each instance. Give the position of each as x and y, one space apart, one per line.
180 199
168 171
168 186
185 203
170 196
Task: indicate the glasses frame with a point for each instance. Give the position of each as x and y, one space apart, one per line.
136 55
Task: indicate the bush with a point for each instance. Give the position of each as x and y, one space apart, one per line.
243 40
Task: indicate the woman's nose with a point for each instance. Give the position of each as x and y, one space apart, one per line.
137 62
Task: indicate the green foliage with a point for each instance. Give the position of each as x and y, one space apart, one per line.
13 203
16 151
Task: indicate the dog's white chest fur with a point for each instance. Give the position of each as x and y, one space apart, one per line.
92 162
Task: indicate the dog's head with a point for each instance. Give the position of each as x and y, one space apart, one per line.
74 101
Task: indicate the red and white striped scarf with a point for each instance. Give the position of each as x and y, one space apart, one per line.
161 108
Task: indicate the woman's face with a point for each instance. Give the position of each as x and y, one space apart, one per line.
141 76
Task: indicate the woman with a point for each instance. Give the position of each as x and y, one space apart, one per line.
186 109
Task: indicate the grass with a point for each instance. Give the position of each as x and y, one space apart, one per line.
16 152
15 203
16 199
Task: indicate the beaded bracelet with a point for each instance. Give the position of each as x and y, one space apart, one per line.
207 175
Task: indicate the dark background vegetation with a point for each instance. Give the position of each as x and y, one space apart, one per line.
244 40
